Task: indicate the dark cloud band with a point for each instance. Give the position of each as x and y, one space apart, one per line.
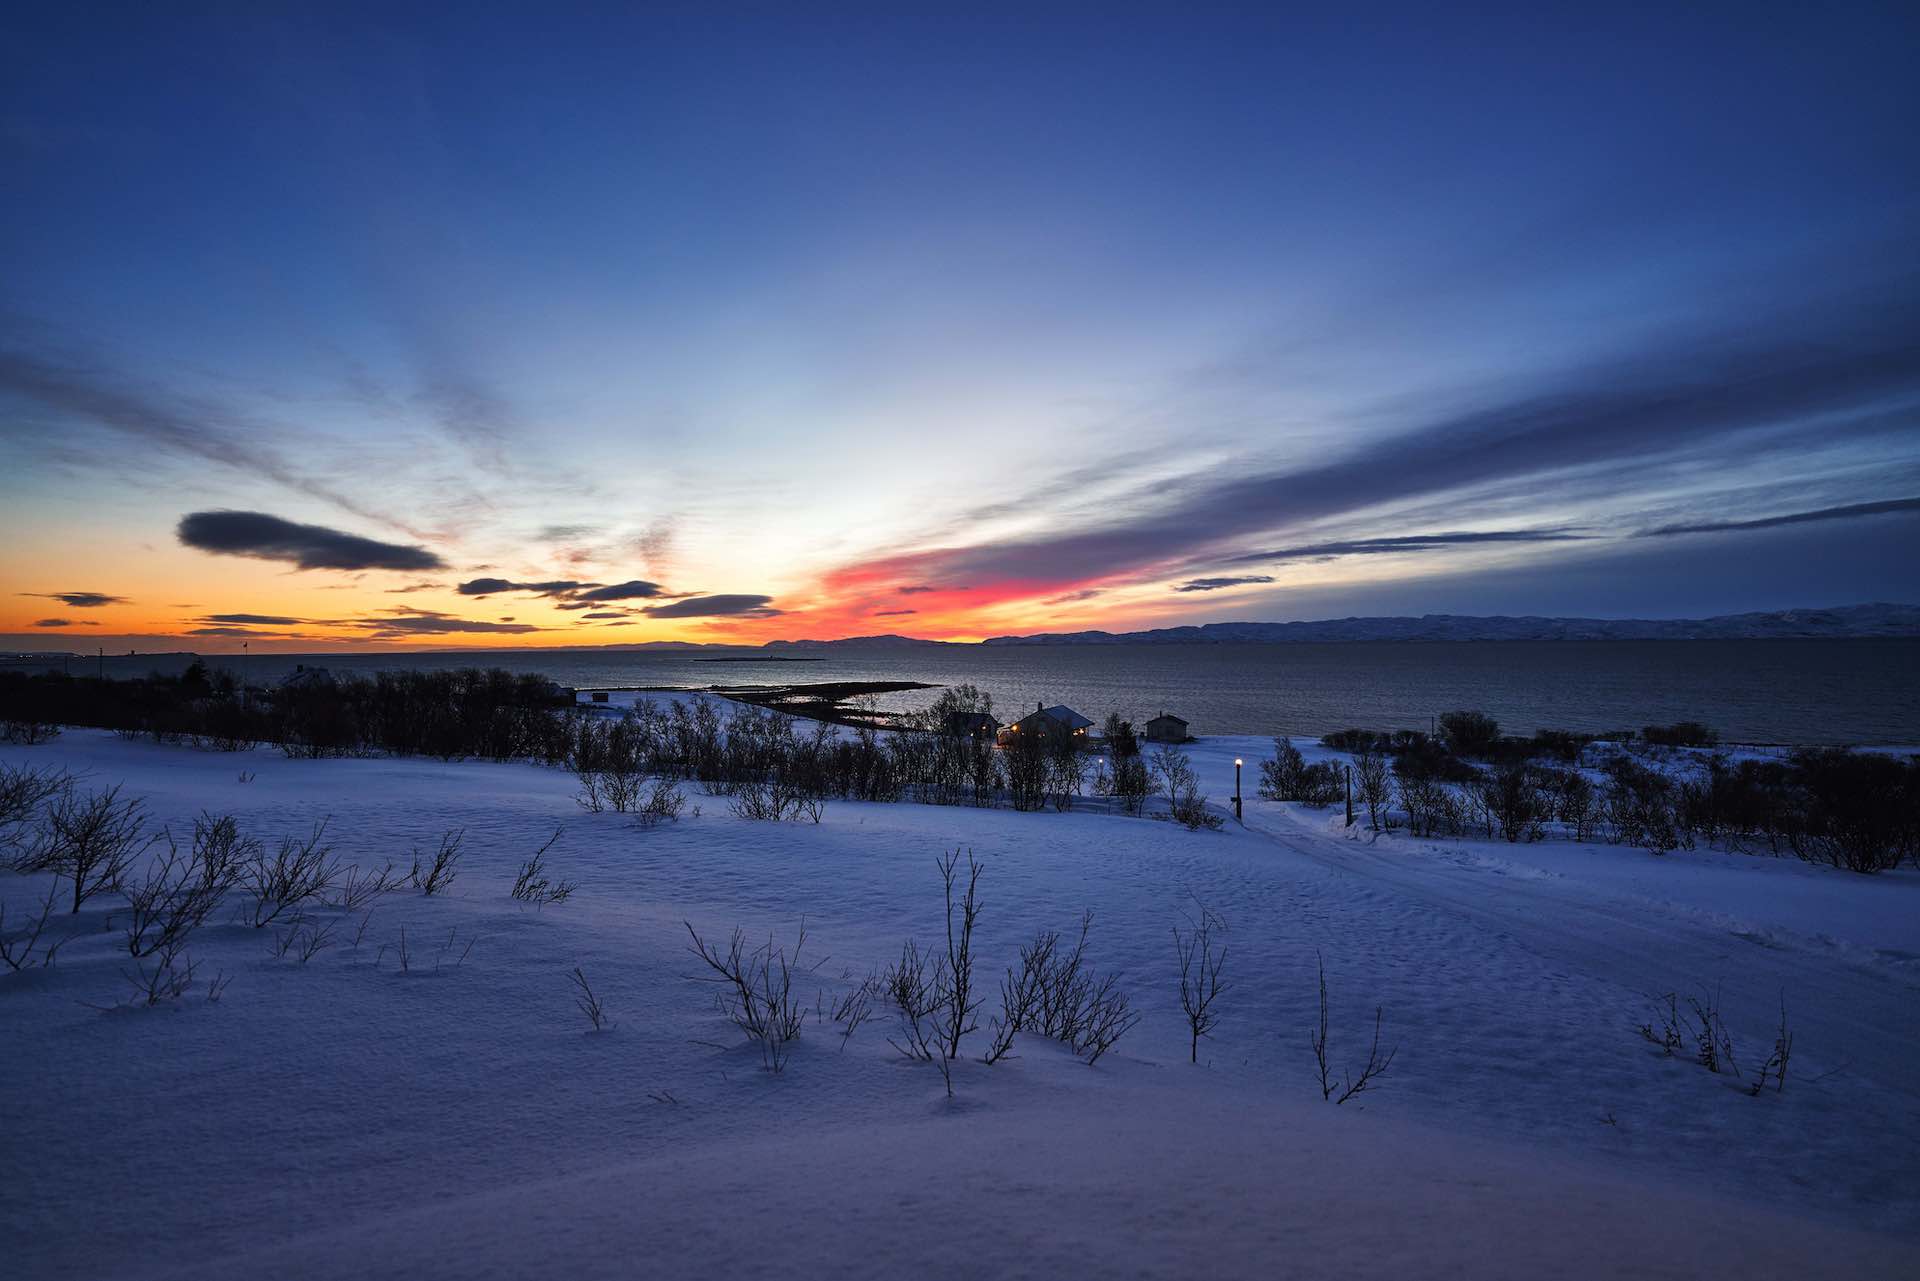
264 537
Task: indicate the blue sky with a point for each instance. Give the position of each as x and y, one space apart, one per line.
1053 311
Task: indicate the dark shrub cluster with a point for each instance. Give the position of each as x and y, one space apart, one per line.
492 714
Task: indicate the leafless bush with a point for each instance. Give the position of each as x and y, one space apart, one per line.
1669 1035
446 949
164 976
954 980
1372 777
1713 1044
358 889
776 800
313 938
855 1006
533 885
217 988
17 949
23 790
912 994
663 804
585 1000
28 731
296 873
180 890
92 841
1350 1085
1513 800
1202 956
1185 805
1054 993
758 995
1775 1068
437 873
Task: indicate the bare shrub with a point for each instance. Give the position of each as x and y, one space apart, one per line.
164 976
92 841
1512 799
23 790
1469 733
533 885
1640 805
1372 774
854 1007
1202 956
437 872
1055 993
180 890
1775 1068
358 889
663 804
1280 778
1185 804
757 994
585 1001
17 948
1351 1085
29 731
908 987
298 872
1429 804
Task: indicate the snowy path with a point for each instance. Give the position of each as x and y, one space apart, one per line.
321 1118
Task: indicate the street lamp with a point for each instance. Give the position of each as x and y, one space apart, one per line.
1238 812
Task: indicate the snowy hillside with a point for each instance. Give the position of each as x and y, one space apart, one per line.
345 1117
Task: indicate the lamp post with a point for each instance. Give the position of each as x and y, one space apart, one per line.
1238 813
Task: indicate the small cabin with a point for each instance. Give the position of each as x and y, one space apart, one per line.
1166 728
972 725
1056 720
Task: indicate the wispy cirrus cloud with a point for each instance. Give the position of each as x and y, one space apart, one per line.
264 537
1220 584
1850 511
1391 545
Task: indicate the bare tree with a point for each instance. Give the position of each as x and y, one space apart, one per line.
92 841
1376 1066
1202 956
956 994
1371 774
23 790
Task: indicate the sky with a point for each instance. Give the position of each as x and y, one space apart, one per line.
395 326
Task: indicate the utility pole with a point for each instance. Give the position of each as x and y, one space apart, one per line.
1349 796
1238 813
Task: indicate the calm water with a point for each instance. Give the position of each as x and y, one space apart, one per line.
1777 691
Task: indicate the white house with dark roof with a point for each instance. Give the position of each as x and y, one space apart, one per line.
1058 719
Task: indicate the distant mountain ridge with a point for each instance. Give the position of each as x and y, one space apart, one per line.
1840 622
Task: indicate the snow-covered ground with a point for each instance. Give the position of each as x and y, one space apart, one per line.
342 1118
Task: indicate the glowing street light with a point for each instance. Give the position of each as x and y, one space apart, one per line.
1238 812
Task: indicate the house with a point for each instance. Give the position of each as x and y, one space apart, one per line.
1166 728
971 725
1058 719
303 677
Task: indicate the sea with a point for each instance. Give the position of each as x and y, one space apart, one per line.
1863 692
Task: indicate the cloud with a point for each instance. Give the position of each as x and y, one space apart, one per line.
606 613
493 586
238 631
893 613
264 537
1074 598
735 606
565 533
80 386
80 600
265 620
62 622
1387 546
428 623
629 590
1216 584
1852 511
1833 364
916 588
